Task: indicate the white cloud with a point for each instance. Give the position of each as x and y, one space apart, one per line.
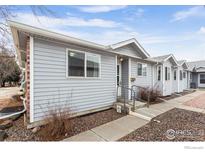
139 12
197 11
99 8
108 32
202 30
53 22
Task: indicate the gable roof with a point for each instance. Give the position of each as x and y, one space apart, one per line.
163 58
160 58
183 63
128 42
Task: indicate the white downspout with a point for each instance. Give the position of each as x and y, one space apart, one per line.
23 82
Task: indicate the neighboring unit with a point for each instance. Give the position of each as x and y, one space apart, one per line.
197 75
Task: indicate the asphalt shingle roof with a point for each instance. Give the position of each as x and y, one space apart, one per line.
196 64
160 58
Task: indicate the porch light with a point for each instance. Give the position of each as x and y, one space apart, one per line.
121 59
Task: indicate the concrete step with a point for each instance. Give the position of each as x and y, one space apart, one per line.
146 113
129 106
138 105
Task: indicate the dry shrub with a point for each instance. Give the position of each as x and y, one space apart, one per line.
59 124
145 92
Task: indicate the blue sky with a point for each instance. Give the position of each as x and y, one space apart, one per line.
160 29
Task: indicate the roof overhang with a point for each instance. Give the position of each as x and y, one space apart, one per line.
173 59
28 30
184 64
131 41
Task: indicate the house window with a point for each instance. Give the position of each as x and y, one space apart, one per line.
184 75
93 65
202 78
144 69
82 64
190 76
139 69
76 64
167 73
175 74
180 75
159 73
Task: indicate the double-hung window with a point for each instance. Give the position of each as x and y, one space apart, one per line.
167 73
76 64
141 69
144 69
93 65
82 64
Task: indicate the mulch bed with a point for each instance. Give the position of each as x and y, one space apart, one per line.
186 125
18 131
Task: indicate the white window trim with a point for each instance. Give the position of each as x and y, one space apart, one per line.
199 78
143 65
85 65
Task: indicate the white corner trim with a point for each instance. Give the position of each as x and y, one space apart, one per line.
31 80
129 76
116 73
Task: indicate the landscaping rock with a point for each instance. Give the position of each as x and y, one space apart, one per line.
3 135
6 124
35 130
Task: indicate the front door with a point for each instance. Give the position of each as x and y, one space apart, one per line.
119 78
201 80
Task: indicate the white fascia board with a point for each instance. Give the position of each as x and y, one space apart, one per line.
121 44
54 35
172 56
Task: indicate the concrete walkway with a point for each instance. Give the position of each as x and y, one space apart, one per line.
119 128
179 102
111 131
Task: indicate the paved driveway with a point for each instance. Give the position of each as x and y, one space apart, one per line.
8 92
198 102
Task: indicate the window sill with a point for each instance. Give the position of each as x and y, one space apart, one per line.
84 78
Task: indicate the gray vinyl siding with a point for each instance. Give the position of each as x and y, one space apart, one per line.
144 81
128 50
52 90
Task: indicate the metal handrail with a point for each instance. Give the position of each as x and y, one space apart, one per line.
140 87
124 88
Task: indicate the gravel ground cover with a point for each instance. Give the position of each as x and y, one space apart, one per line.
173 125
18 131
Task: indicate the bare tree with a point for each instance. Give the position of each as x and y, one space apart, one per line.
6 12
